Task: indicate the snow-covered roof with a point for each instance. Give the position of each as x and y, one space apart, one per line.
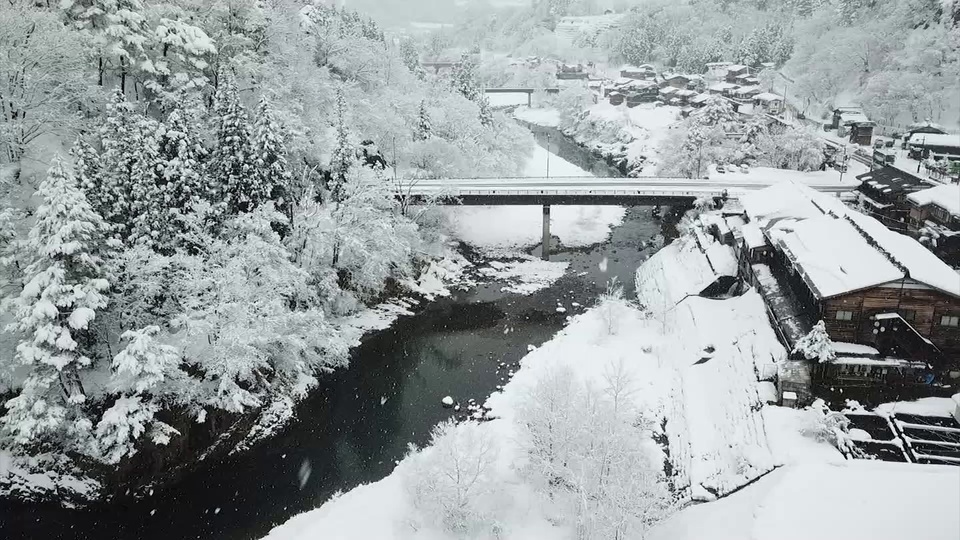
669 90
744 90
721 86
843 499
935 139
853 117
700 98
752 235
736 67
838 250
946 196
768 96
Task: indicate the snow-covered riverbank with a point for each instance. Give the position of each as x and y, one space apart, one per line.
701 427
619 133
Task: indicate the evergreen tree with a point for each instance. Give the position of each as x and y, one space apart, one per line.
87 168
145 370
344 154
486 114
233 156
465 78
816 345
65 286
182 176
126 190
273 172
424 128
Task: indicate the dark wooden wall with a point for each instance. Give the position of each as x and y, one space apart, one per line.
929 305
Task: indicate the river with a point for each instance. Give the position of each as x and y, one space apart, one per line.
358 423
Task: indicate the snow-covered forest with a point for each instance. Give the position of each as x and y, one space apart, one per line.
194 193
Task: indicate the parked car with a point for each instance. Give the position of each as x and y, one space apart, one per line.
721 168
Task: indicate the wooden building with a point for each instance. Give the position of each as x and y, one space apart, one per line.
643 72
734 71
769 102
934 217
853 123
871 286
934 145
675 80
883 194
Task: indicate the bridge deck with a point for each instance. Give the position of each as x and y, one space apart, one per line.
586 190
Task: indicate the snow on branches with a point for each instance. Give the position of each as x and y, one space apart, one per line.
816 345
65 287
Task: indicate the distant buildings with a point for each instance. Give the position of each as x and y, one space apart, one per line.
852 122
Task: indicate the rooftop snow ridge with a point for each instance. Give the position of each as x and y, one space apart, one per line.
876 245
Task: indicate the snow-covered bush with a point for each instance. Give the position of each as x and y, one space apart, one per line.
451 482
830 426
816 345
612 306
588 455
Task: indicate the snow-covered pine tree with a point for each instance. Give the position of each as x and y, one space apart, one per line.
464 78
344 155
65 286
816 345
232 165
146 372
424 128
486 114
86 167
126 192
183 178
717 111
270 156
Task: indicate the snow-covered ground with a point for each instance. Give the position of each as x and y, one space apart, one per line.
500 229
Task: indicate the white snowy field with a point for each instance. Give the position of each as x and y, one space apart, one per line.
513 228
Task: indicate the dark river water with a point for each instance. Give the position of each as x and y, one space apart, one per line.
358 423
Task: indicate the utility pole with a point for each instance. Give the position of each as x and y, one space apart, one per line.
548 154
923 144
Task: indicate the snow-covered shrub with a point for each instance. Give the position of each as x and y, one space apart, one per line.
588 455
451 482
829 426
816 345
612 306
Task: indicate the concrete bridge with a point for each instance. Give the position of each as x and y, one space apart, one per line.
528 91
583 190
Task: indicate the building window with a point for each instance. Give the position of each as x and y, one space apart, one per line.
908 315
844 315
950 320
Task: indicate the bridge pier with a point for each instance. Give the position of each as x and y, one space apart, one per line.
529 100
545 253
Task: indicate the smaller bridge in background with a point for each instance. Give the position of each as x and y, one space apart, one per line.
528 91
